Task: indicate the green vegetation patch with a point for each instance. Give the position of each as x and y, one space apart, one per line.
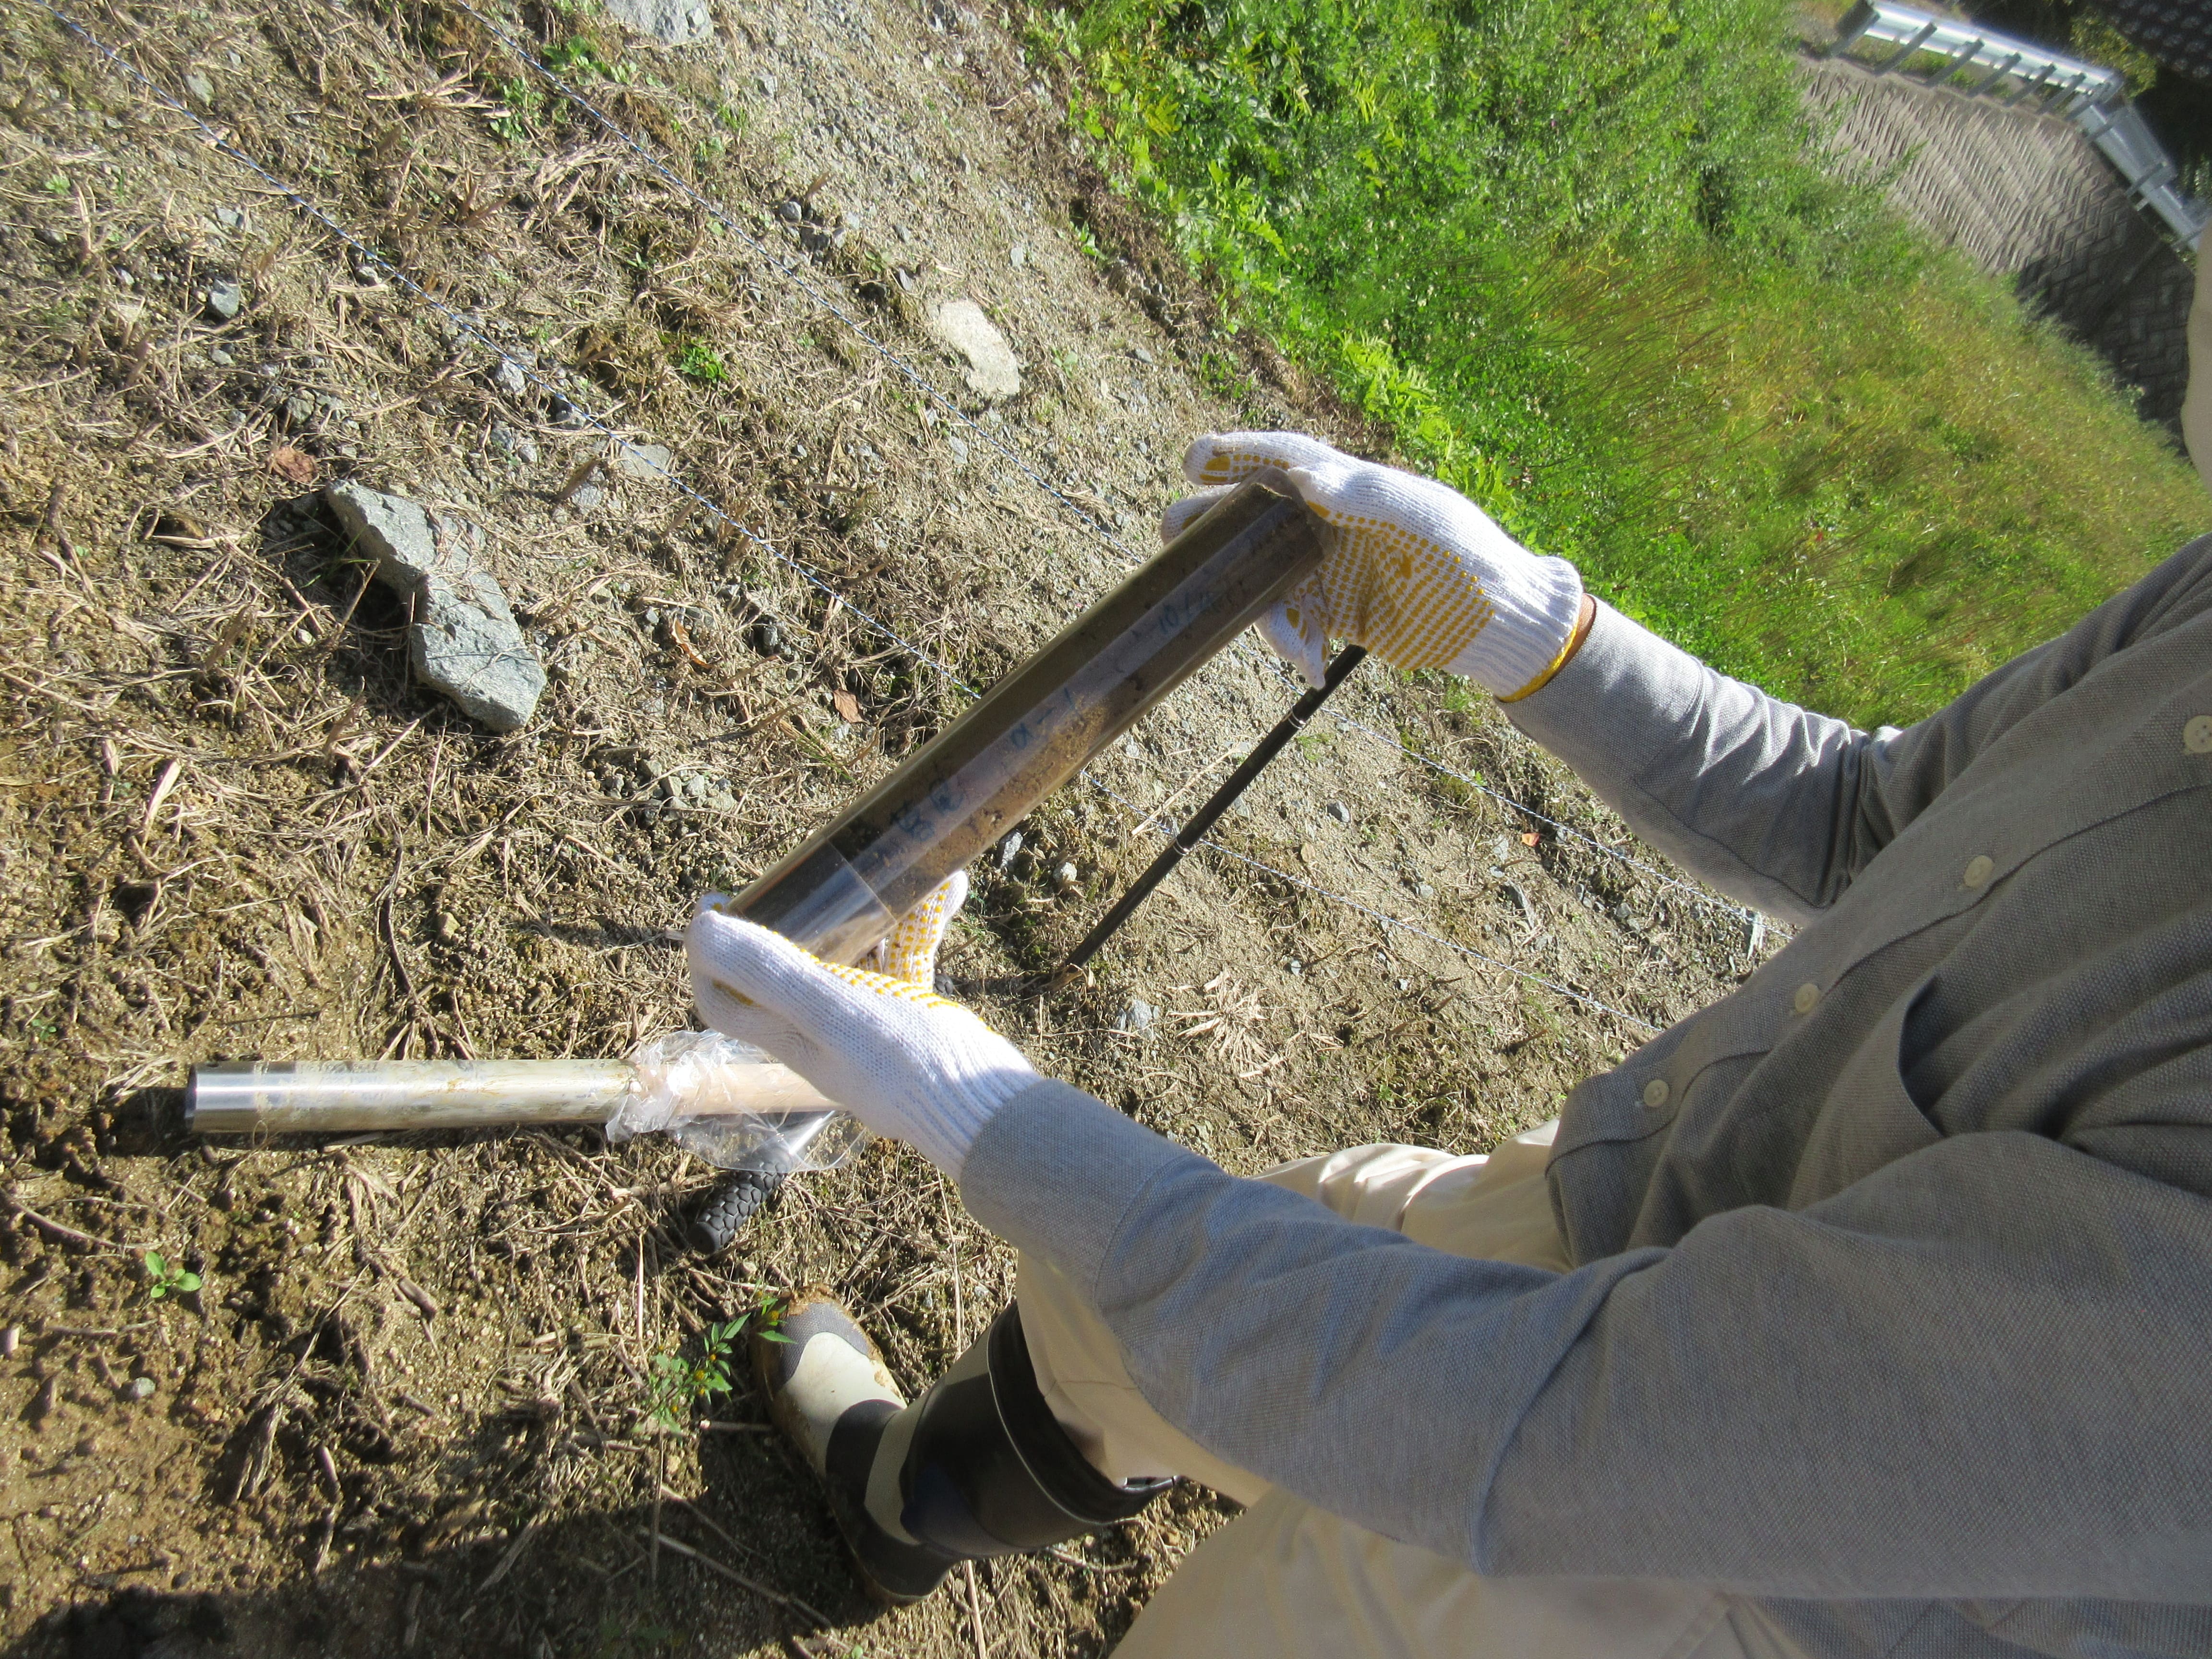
1582 258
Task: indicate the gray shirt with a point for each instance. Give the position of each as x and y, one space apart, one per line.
1892 1308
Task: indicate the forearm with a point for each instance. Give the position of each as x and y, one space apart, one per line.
1757 797
1873 1399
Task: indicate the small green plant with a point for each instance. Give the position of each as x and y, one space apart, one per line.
42 1030
679 1384
525 103
701 364
58 186
168 1278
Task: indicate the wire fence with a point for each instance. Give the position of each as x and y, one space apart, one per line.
465 328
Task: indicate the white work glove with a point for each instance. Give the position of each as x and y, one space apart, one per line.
1415 572
885 1047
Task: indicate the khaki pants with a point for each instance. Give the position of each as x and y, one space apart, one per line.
1285 1580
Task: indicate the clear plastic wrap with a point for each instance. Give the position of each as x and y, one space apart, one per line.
716 1097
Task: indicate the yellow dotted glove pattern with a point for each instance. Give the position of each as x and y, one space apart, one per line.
1417 573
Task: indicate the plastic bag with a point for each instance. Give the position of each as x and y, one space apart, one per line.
694 1087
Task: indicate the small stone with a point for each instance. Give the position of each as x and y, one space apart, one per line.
464 642
142 1388
1293 967
992 371
299 409
695 787
959 448
225 300
1137 1019
199 86
1009 850
790 210
1017 256
220 358
767 84
1339 812
765 636
508 377
676 22
587 498
229 219
525 450
1422 890
8 1338
1065 876
649 462
1141 355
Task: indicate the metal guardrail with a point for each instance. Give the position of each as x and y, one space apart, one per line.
2016 71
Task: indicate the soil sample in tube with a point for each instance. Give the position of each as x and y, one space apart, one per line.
843 890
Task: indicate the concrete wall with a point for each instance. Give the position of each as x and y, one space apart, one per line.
2024 196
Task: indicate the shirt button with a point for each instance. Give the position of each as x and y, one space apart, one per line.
1978 869
1655 1093
2196 736
1806 997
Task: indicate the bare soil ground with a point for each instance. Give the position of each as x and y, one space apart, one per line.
407 1408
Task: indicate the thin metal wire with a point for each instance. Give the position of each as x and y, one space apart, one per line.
464 325
791 272
1568 829
1384 918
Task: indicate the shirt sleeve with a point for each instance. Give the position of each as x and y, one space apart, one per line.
1976 1374
1775 805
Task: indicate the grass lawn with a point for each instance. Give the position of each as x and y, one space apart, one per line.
1577 253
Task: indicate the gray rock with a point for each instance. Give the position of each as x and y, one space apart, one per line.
959 448
1009 850
508 377
220 358
200 87
229 219
992 371
678 23
587 498
464 642
1137 1019
1339 812
142 1388
1065 876
649 462
225 300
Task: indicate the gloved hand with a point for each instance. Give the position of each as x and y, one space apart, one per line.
887 1048
1416 572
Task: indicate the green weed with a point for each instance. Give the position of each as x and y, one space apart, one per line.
1580 256
679 1384
167 1278
700 364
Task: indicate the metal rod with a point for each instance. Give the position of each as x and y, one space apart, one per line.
332 1097
1207 815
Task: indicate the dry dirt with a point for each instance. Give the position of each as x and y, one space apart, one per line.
406 1411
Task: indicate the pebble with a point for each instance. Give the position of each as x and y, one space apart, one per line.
299 409
765 637
1140 354
1065 876
507 377
959 449
646 461
1010 849
1137 1019
8 1338
791 212
1339 812
200 87
1422 890
961 325
767 84
1017 256
229 219
225 300
142 1388
1293 967
587 498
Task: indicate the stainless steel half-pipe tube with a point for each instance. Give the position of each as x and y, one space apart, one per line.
333 1097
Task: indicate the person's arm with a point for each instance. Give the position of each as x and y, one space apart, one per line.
1978 1373
1779 807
